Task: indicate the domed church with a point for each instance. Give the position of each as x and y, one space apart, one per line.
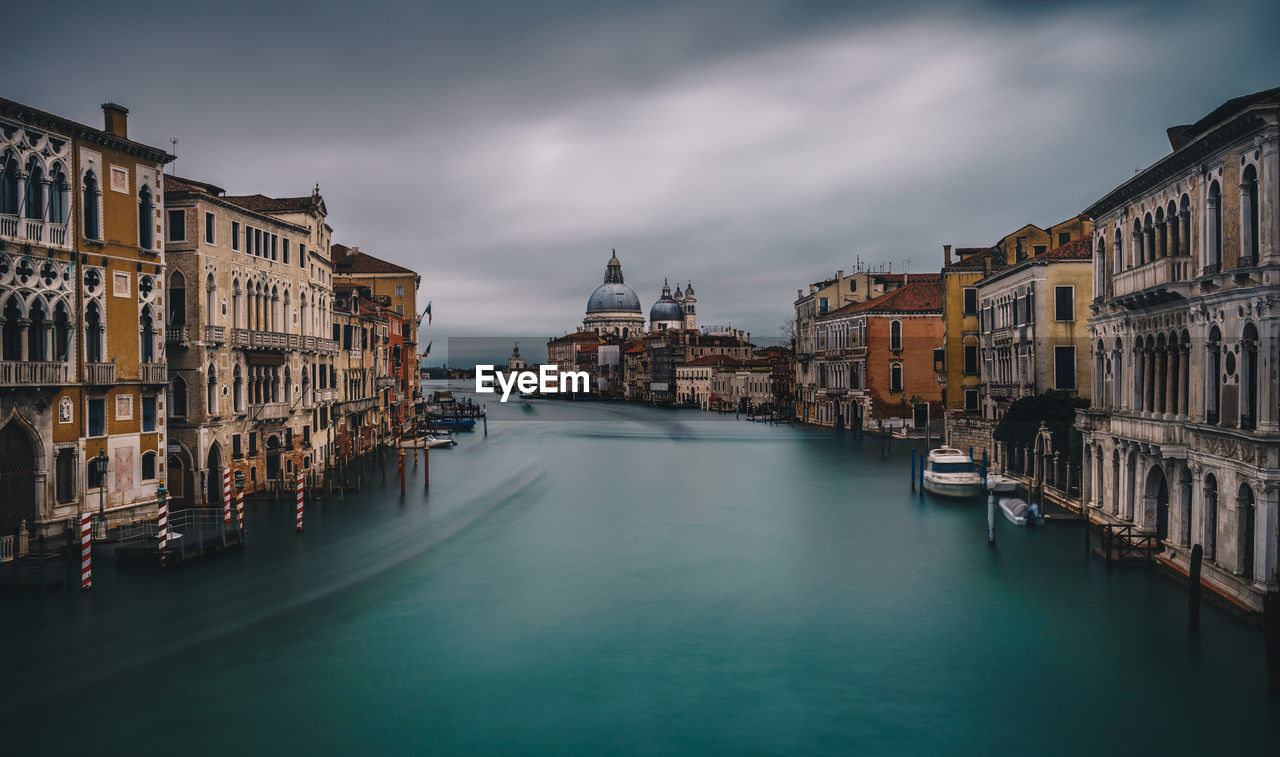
673 312
614 307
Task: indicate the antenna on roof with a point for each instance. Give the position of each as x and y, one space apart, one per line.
173 148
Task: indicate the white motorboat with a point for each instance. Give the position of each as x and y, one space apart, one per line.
433 440
1019 513
948 472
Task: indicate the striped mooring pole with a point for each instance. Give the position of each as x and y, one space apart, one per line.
86 552
226 495
162 532
240 512
299 501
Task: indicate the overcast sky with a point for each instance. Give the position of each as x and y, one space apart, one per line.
502 149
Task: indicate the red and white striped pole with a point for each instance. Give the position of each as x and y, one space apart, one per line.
162 533
299 501
226 495
240 511
86 552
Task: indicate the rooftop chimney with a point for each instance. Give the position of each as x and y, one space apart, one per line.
946 253
116 119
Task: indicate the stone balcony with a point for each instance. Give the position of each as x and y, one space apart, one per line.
153 373
215 334
271 411
1157 273
177 335
278 341
33 231
100 373
26 373
1165 433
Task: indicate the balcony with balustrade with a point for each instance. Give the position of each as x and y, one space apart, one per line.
277 341
215 334
177 335
28 373
153 373
100 374
271 411
1163 273
33 231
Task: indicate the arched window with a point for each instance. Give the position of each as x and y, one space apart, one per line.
1249 228
34 204
58 193
12 330
1213 230
89 206
1173 232
1117 374
146 219
210 300
1137 251
288 384
236 305
177 299
1248 519
1213 376
61 333
1101 279
178 397
1118 252
895 336
148 466
211 391
237 390
1162 238
895 378
9 186
146 336
36 332
1249 378
93 334
1210 517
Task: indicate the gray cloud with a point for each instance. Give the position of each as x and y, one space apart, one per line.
503 148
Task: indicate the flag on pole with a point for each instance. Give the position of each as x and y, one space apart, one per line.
427 313
427 351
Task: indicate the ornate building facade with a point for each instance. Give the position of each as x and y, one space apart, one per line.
82 317
249 352
1183 439
613 308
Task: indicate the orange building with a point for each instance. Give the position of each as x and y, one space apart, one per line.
82 308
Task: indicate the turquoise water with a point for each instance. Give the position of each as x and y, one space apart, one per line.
600 578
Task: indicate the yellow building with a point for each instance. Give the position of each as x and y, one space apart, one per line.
393 285
82 307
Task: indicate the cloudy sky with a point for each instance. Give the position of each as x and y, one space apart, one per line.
503 148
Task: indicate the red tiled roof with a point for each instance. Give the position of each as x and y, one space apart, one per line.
916 297
1078 249
179 184
353 260
262 204
910 277
723 360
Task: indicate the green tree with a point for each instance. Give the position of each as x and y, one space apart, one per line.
1056 409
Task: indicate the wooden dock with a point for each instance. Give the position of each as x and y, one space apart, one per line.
193 534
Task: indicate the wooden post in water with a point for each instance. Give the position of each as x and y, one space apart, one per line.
1193 588
913 469
1271 634
402 471
485 418
991 518
426 466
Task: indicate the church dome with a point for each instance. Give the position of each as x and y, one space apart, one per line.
613 296
665 309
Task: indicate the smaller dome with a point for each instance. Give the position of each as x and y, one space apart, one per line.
688 290
665 309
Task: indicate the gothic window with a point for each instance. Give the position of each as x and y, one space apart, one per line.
9 186
210 299
1118 251
1249 217
147 338
58 196
93 334
237 390
34 200
1249 378
148 466
61 332
1210 517
1213 376
178 397
1247 515
36 332
211 391
146 222
895 336
1213 224
89 206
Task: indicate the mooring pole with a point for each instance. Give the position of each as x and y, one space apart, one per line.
402 471
1193 588
913 469
485 418
1271 633
426 467
991 518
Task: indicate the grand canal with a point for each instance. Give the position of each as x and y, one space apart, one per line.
599 578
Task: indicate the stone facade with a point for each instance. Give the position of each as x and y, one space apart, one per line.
1182 440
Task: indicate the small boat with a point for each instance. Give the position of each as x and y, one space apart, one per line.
456 424
440 440
949 472
1019 513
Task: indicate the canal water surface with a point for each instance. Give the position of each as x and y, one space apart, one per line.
601 578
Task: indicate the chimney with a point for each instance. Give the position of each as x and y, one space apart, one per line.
116 119
840 275
946 253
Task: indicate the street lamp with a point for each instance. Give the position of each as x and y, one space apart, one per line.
101 460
